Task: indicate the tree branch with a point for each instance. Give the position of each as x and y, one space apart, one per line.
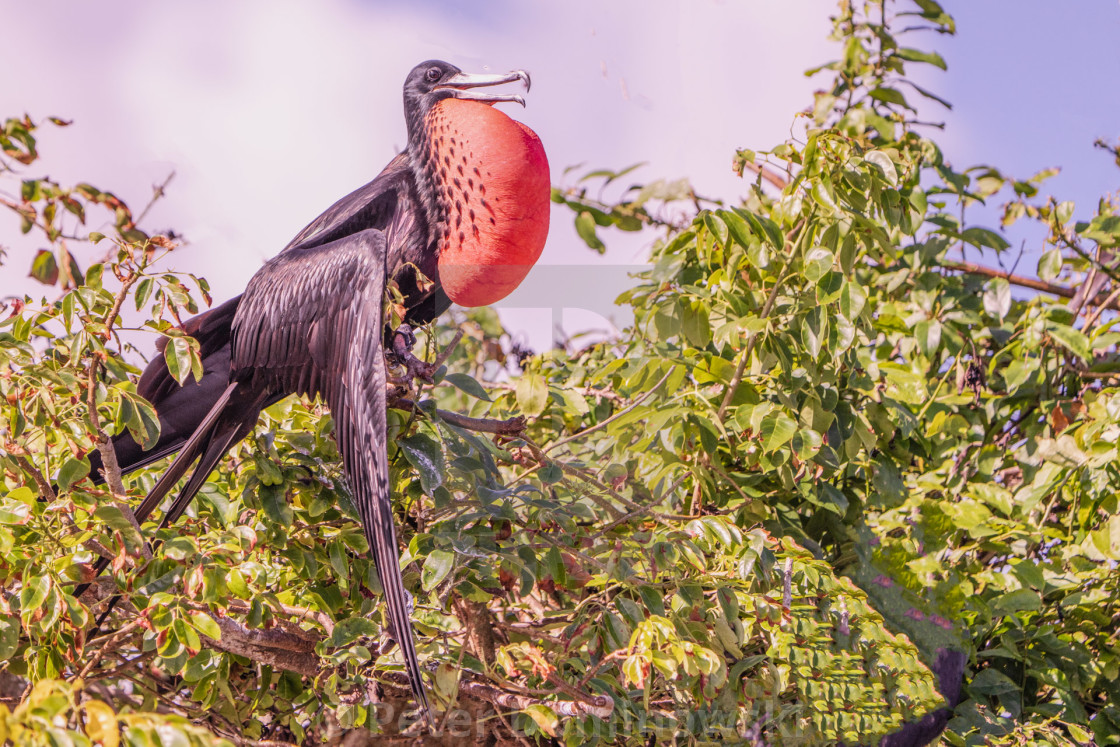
774 178
589 705
277 647
44 485
509 427
1101 300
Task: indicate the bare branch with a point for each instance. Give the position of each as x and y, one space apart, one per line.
279 648
509 427
44 485
1101 300
447 351
774 178
594 706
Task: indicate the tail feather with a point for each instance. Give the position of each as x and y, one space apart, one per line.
221 442
180 408
199 441
197 444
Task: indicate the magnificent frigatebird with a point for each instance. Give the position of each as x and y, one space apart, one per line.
465 205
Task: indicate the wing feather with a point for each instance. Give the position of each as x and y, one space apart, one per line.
313 315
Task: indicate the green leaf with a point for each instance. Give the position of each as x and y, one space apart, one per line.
437 566
551 473
928 334
274 501
694 323
532 394
9 637
468 385
143 292
992 682
890 96
544 717
917 55
117 521
143 422
182 357
1018 372
1020 599
907 385
33 594
885 164
71 472
585 227
1103 229
44 267
1071 339
776 430
1107 539
206 625
14 513
813 330
186 635
818 262
336 551
852 300
997 297
1050 264
236 583
764 227
984 237
351 629
575 401
737 228
426 455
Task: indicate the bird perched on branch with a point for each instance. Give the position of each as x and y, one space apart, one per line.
460 216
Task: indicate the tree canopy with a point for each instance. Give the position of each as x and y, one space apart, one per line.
827 450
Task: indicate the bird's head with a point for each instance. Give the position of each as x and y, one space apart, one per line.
433 81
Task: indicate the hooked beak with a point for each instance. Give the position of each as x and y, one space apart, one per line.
461 82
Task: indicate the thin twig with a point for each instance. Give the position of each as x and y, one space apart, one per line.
1072 244
587 391
719 470
645 395
1098 374
110 642
447 351
644 511
1109 302
775 179
158 191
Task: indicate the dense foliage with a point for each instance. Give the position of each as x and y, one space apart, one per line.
821 454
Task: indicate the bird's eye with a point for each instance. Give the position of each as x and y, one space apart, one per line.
434 74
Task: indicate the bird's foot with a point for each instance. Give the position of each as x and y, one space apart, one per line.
403 341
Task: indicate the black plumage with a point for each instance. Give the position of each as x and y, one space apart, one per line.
310 322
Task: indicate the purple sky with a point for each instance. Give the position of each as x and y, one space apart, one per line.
269 111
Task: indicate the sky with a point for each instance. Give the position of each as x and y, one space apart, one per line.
267 111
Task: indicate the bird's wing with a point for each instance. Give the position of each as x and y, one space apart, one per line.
369 206
311 321
390 204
